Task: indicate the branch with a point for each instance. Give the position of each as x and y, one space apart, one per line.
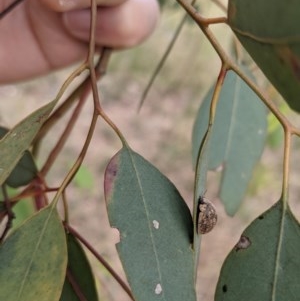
100 259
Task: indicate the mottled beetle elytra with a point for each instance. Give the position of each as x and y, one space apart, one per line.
207 216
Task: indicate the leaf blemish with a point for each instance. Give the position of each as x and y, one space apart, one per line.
158 289
41 119
155 224
243 243
224 288
111 173
220 168
260 132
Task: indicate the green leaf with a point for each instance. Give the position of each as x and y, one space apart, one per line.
2 207
155 229
274 47
201 162
237 139
34 259
17 140
264 265
80 273
25 170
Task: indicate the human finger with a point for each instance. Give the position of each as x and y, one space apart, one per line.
124 25
67 5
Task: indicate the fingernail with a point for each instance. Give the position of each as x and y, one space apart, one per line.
68 4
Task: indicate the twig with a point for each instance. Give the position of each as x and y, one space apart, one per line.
93 77
204 26
65 206
162 60
286 165
57 115
9 8
289 129
100 258
10 214
66 133
90 61
75 286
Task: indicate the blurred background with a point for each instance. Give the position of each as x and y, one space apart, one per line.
160 132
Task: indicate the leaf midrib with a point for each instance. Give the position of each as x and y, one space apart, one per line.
279 248
148 219
34 253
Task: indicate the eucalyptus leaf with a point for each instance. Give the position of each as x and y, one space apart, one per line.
17 140
269 30
155 228
25 170
264 264
237 139
34 259
201 164
80 272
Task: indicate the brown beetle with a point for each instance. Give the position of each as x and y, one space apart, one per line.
206 216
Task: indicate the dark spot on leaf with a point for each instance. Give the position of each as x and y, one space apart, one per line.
261 217
243 243
224 288
42 118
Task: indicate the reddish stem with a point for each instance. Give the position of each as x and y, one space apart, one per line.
100 259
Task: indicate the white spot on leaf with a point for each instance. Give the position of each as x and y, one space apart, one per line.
155 224
260 132
158 289
220 168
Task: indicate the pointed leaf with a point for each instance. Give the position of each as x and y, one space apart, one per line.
18 139
155 229
275 48
34 259
238 137
80 273
25 170
264 265
201 164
